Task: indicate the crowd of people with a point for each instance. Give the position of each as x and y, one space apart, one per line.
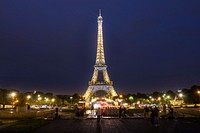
154 113
150 112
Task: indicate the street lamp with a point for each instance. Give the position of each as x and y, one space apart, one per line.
159 98
47 99
39 97
180 95
164 95
198 92
28 97
152 99
39 100
13 94
71 99
52 100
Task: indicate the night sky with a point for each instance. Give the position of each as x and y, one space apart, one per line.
50 45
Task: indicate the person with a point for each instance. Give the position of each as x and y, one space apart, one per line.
124 112
77 111
92 108
82 111
98 114
120 111
164 110
171 113
146 112
56 112
154 116
3 106
28 106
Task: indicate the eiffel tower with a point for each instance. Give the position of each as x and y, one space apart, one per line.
100 79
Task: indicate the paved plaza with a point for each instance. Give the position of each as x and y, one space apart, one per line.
120 126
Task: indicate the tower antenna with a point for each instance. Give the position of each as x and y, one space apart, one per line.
99 12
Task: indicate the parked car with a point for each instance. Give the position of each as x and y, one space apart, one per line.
45 107
34 107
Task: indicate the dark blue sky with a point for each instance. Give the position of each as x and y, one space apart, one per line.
50 45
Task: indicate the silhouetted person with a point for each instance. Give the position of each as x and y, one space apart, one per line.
92 108
56 113
82 111
171 113
98 114
77 112
124 112
146 112
164 110
120 112
28 106
154 116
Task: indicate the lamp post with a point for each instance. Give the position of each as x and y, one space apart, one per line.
28 97
52 100
13 94
28 105
120 99
180 95
39 99
71 99
198 92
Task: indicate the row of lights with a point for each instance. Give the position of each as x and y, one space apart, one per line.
13 94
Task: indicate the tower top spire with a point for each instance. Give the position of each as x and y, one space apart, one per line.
100 19
99 12
100 59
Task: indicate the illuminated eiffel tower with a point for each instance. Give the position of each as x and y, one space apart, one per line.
100 79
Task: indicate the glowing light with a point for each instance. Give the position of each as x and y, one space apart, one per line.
53 100
13 94
164 95
47 99
28 97
180 95
120 100
131 98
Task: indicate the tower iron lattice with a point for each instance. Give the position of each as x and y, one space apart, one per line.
100 79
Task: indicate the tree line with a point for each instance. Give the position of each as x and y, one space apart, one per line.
189 95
